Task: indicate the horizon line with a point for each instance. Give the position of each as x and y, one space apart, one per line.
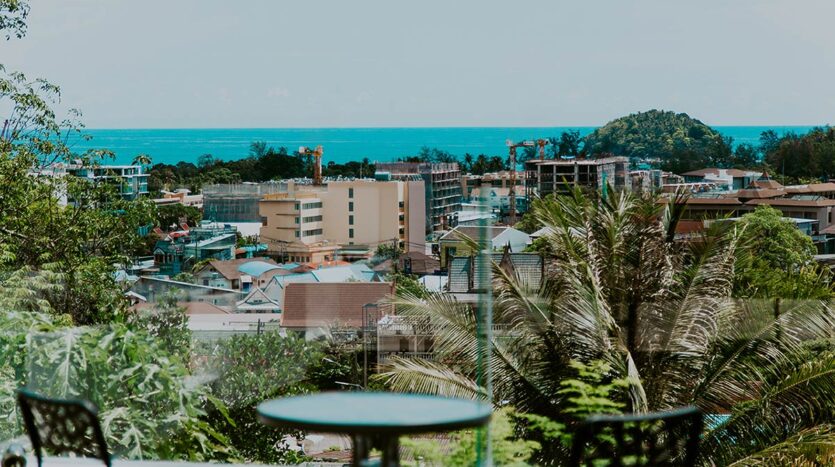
792 125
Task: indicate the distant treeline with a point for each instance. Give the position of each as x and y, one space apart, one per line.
672 142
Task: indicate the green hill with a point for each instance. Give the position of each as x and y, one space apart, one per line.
655 134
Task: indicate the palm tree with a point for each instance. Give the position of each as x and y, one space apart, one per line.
142 159
621 289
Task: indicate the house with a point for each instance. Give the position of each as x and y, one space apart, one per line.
314 308
352 273
154 288
179 251
258 302
413 262
464 272
455 242
239 274
735 179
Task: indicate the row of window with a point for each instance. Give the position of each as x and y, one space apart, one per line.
310 233
312 219
314 205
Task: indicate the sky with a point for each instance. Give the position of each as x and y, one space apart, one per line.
309 63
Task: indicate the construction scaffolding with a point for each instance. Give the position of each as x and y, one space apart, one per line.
237 202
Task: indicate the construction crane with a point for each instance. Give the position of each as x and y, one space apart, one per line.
512 148
317 162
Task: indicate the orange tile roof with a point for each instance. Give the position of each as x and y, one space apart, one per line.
323 304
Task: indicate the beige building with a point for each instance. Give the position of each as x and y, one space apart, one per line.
343 218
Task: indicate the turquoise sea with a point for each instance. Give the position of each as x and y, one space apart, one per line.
340 144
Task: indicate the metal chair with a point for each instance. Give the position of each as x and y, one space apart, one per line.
658 439
62 427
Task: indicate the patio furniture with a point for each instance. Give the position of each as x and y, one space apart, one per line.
374 419
62 427
657 439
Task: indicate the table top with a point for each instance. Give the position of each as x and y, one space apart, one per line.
373 412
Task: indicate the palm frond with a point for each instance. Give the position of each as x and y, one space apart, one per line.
428 377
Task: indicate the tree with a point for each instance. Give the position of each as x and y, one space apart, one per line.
174 214
777 259
142 159
13 15
746 156
253 368
659 312
80 241
569 143
205 161
257 149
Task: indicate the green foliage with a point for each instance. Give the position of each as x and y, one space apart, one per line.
80 242
507 449
797 158
622 290
777 259
681 142
408 285
148 407
251 369
13 15
173 214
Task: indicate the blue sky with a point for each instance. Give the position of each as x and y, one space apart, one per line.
190 63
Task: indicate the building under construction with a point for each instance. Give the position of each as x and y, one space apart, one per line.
442 182
546 176
237 202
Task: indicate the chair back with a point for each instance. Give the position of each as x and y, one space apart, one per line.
62 427
659 439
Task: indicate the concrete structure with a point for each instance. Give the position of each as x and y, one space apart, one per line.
239 274
180 196
130 179
735 179
349 219
464 273
179 251
442 185
454 243
237 202
547 176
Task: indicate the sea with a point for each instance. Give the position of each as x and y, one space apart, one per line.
340 144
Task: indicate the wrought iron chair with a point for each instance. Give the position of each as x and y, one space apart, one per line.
62 427
658 439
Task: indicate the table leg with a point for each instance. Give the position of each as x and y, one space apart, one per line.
388 445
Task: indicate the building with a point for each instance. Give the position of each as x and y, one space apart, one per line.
469 182
180 196
735 179
546 176
179 251
153 288
239 274
131 181
464 272
456 242
316 308
348 219
442 185
276 288
237 202
412 262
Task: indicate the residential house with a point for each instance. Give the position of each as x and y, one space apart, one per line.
239 274
316 308
734 179
465 271
455 242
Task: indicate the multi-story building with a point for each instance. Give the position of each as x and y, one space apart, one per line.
237 202
348 218
442 185
470 182
179 253
130 179
544 177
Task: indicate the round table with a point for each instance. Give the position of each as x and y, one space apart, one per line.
374 419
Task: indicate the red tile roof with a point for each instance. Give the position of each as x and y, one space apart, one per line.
323 304
811 188
821 202
229 268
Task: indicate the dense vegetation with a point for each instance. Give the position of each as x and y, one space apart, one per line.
661 315
801 158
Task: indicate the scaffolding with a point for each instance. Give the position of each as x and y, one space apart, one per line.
237 202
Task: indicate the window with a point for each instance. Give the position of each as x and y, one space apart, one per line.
297 234
351 220
315 205
312 219
297 205
297 220
310 233
350 233
350 206
350 192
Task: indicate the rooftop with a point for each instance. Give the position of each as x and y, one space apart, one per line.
328 304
